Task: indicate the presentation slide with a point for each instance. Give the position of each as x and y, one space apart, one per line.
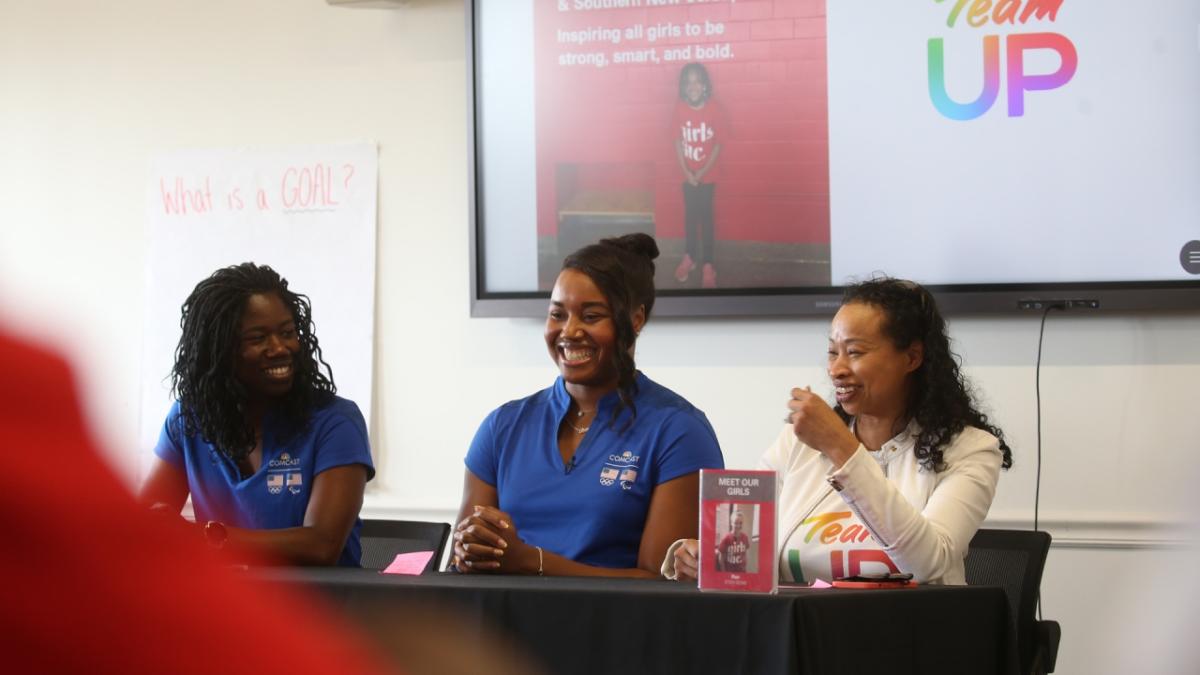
803 143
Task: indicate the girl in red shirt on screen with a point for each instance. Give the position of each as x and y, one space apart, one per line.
700 128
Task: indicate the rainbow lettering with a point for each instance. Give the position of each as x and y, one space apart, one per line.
991 81
1015 45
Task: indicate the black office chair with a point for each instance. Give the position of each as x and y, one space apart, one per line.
1014 559
382 540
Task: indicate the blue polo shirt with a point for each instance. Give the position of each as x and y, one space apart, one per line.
594 513
276 496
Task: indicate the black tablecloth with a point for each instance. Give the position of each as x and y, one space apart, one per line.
585 625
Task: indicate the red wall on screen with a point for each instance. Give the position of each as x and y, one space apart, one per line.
607 82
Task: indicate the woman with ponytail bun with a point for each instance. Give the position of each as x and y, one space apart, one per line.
597 474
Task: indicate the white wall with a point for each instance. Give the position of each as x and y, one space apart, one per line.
90 91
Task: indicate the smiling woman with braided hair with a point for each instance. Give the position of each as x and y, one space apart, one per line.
275 462
597 474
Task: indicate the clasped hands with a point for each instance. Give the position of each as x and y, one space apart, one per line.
487 541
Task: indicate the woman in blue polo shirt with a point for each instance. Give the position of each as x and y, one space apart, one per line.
597 474
274 461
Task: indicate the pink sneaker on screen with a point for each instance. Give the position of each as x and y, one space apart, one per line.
710 276
685 268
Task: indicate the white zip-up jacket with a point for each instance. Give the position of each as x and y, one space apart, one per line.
923 520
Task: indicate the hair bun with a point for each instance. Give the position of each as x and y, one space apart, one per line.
638 242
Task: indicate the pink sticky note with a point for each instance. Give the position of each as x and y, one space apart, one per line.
409 563
817 583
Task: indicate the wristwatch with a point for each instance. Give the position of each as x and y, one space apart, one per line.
215 533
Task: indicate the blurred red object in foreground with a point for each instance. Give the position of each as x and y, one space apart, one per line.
93 582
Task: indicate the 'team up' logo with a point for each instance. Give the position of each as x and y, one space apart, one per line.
978 13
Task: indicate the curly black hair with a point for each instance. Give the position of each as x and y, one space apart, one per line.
705 80
941 399
623 269
211 399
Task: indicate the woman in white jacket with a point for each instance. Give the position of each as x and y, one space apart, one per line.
899 474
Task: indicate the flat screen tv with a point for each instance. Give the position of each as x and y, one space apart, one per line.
1007 154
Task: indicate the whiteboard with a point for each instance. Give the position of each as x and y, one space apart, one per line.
309 212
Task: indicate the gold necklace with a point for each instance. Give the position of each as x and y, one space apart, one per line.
580 413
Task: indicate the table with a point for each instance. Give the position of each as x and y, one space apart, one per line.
584 625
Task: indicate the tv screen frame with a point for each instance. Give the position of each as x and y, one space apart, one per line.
799 301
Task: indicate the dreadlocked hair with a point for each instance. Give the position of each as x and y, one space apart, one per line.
211 399
623 269
941 399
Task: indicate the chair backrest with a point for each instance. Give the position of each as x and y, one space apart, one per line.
383 539
1013 560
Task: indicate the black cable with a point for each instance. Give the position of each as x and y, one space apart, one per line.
1037 387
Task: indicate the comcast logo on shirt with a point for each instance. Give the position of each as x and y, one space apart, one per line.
621 469
626 457
284 460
